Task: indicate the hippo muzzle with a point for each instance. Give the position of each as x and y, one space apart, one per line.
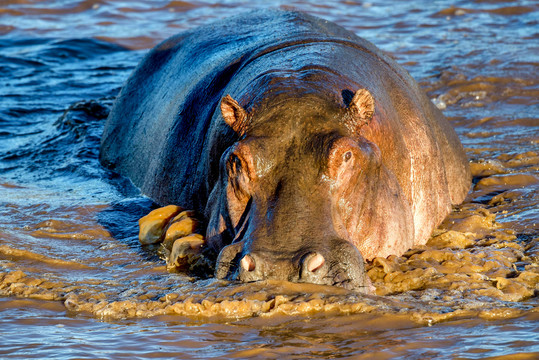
338 264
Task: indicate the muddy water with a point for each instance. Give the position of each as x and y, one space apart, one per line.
75 282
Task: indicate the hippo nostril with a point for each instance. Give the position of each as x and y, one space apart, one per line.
315 262
247 263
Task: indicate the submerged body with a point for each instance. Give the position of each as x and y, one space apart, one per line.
306 148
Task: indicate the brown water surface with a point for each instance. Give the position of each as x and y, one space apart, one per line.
76 283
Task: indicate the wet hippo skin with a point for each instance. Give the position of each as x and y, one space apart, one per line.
306 149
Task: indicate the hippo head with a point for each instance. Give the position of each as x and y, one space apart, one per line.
290 191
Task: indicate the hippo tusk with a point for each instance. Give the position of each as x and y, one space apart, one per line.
247 263
315 262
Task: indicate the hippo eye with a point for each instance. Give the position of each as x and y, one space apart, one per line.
347 156
234 165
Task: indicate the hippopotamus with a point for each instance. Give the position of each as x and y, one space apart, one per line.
305 149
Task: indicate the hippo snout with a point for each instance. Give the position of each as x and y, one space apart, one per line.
339 264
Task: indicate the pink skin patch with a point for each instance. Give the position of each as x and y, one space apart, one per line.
315 262
247 263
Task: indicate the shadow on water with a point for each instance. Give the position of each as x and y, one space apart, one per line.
120 219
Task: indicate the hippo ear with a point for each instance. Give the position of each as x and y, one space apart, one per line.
362 107
235 116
